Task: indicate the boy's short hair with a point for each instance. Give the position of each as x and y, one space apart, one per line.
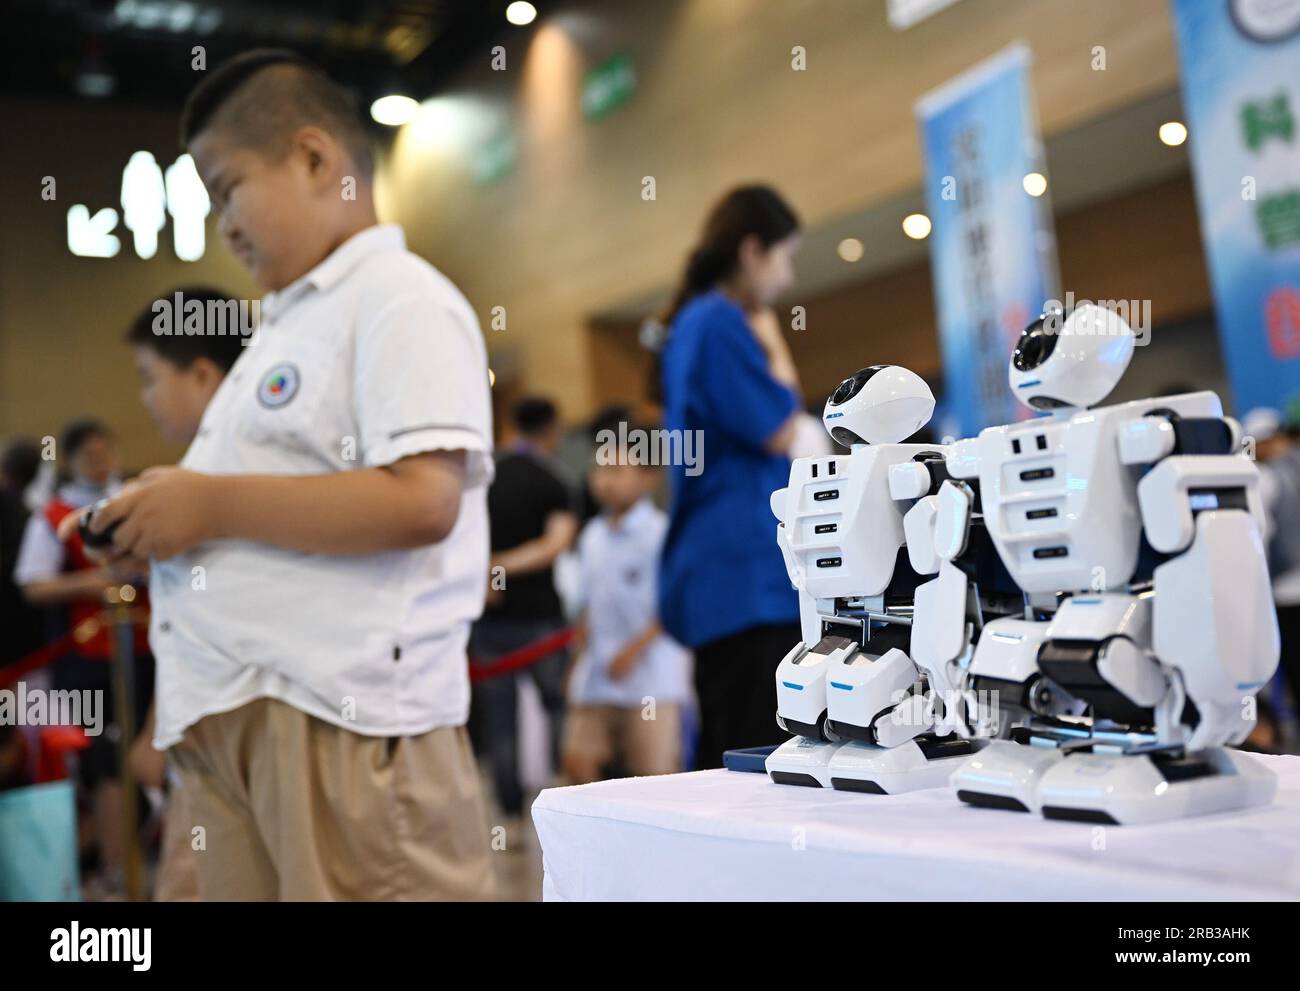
634 445
609 418
533 415
264 95
78 432
183 349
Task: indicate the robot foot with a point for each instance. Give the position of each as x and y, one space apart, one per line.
1124 789
924 762
1005 775
802 760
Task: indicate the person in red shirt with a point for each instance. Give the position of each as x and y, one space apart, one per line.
60 576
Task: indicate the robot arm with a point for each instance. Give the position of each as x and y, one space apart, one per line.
1213 621
937 529
810 612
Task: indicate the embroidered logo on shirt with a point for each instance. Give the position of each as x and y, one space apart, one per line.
278 387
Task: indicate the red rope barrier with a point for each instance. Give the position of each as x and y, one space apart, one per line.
82 633
522 657
37 659
513 661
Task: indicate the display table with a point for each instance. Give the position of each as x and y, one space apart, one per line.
737 836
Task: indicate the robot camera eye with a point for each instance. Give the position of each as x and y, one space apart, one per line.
852 385
1037 342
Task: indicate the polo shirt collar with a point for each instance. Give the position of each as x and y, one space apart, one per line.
339 262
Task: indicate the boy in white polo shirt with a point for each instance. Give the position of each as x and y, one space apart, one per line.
320 552
630 679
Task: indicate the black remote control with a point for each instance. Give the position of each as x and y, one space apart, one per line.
96 541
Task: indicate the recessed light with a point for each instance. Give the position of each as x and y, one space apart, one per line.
521 12
916 226
1035 183
851 249
1173 133
393 110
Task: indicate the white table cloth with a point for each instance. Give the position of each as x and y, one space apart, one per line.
737 836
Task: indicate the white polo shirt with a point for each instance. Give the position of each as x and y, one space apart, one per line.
618 565
372 356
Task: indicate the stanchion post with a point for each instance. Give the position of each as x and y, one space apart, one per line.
119 601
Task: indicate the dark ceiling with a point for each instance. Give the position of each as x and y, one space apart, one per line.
139 51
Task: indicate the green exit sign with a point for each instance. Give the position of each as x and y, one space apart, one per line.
496 159
608 86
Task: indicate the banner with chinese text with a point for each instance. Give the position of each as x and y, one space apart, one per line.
1240 63
992 251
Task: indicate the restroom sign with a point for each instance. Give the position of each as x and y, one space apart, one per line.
149 195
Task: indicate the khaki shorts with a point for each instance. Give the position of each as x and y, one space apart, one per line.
294 808
646 746
177 879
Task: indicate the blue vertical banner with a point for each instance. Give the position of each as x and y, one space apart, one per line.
1240 63
992 249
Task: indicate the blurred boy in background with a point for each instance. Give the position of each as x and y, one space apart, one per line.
629 682
179 374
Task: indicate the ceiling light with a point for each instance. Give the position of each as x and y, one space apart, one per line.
520 12
916 226
393 110
1173 133
851 249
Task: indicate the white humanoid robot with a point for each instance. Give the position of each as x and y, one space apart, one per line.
1134 531
864 716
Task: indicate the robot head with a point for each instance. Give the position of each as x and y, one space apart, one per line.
883 404
1072 360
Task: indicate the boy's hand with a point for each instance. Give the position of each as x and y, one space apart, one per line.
624 661
164 512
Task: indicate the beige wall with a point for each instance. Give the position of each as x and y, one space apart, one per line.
568 234
890 319
62 318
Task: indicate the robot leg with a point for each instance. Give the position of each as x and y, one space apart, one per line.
1216 642
801 710
1003 688
875 704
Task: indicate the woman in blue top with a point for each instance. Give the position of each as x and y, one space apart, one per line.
726 372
